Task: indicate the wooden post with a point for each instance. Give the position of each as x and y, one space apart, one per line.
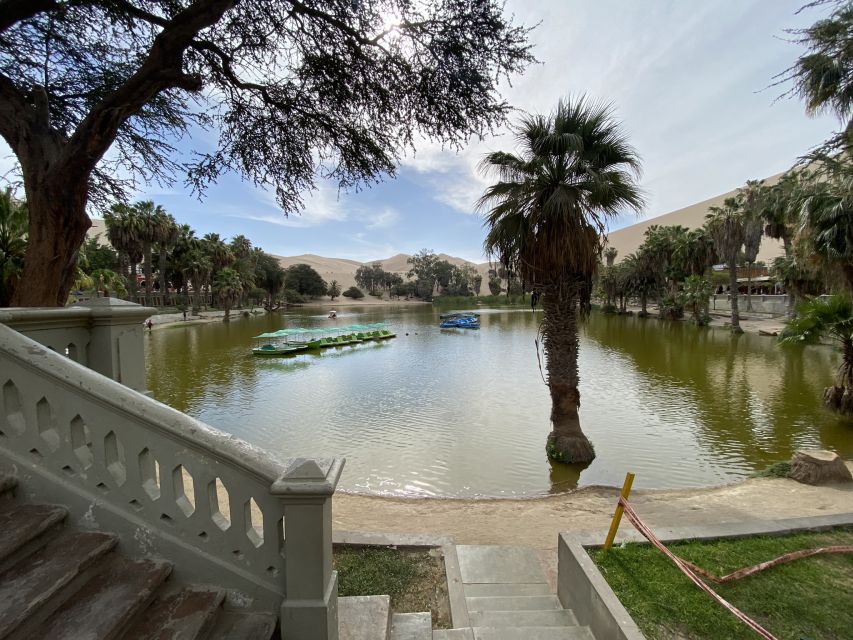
617 515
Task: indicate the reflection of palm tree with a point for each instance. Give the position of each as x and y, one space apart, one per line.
547 212
124 231
725 226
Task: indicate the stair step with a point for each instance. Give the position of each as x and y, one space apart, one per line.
22 523
453 634
554 618
37 582
364 617
411 626
507 589
232 625
513 603
533 633
108 601
186 615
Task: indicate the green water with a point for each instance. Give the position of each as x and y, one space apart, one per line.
463 413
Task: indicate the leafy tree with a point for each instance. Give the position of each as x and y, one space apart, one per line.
98 256
13 243
725 226
353 292
371 277
828 318
495 286
423 265
228 289
799 278
109 282
546 214
696 294
303 279
334 289
95 89
270 276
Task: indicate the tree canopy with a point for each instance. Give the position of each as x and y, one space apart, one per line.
293 89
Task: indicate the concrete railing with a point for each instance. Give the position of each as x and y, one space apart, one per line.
223 511
774 304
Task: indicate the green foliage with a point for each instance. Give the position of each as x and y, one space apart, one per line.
370 571
228 289
495 286
422 269
305 280
775 470
334 289
14 221
95 256
293 297
695 297
809 598
353 292
269 275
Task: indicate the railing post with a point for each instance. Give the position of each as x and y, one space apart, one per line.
310 607
117 348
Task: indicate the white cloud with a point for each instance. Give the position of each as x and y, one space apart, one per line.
382 219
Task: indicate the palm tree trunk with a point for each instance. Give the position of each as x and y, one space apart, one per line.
566 442
733 297
791 305
131 283
162 265
644 301
148 271
749 286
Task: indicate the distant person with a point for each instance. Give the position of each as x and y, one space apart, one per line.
149 324
185 315
333 314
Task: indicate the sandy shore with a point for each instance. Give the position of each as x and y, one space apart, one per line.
536 522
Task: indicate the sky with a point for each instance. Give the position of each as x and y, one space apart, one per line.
688 80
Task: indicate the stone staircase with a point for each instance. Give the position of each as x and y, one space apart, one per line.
507 595
62 584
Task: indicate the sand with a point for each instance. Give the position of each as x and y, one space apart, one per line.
536 522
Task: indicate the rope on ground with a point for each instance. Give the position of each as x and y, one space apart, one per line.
634 519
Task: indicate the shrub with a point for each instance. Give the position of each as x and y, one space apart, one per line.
353 292
293 297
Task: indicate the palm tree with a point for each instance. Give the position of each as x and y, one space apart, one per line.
14 222
124 231
546 214
642 277
830 318
610 254
725 226
827 215
168 237
751 203
228 289
334 289
198 270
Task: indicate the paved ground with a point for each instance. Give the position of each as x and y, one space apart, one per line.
536 522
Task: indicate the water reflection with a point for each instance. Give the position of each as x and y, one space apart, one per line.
465 413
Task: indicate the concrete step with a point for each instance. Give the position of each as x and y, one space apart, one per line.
532 633
364 617
453 634
35 587
411 626
186 615
554 618
508 589
233 625
499 563
513 603
21 527
108 601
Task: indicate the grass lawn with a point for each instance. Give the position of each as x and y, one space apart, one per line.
808 599
414 578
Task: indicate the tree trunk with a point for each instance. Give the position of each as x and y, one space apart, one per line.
57 228
566 442
733 297
147 250
644 301
749 286
163 291
791 310
133 284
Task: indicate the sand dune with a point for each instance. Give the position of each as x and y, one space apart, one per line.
629 239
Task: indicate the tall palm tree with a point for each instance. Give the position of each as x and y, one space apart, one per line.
725 226
830 318
228 289
14 222
168 236
610 254
751 203
574 171
124 231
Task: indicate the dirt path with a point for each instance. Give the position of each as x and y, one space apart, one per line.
536 522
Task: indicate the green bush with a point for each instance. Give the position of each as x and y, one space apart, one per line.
293 297
353 292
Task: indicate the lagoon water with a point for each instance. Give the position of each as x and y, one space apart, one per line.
461 413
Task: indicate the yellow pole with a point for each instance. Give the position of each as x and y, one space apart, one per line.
617 515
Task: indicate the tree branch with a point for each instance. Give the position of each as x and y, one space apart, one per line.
13 11
16 114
